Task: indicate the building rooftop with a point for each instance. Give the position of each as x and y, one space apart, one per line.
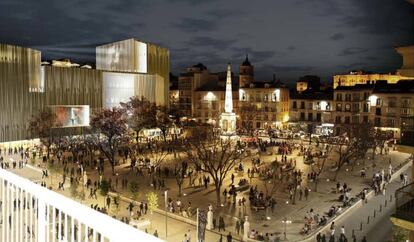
312 95
402 86
246 62
219 85
355 87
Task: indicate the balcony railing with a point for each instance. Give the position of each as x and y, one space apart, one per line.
32 213
405 203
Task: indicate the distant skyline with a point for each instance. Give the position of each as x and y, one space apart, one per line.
289 38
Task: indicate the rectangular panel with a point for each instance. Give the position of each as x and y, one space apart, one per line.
71 116
141 57
118 87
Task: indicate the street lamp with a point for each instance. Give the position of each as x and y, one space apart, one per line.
286 221
166 211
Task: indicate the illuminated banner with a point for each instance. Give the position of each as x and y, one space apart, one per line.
71 115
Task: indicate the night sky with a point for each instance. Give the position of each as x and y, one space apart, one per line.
290 38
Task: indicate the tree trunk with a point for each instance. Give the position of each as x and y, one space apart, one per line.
218 195
179 189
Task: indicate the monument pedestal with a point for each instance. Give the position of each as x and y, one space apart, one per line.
228 123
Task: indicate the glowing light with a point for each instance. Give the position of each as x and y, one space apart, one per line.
286 118
323 105
210 97
276 95
373 100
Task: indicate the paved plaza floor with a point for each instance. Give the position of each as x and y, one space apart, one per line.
319 201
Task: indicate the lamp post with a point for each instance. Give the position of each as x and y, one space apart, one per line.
166 211
286 221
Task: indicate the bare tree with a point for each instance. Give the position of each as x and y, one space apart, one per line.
216 157
163 121
179 177
248 112
157 154
271 179
319 164
111 123
354 148
141 114
43 126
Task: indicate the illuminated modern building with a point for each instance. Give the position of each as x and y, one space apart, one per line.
124 69
133 68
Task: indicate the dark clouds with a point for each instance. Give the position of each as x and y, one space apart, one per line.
337 36
288 38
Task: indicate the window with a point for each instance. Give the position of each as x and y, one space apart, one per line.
391 122
378 111
365 119
302 116
347 119
366 107
347 107
338 119
318 117
348 97
294 105
405 102
355 119
377 121
302 105
355 97
310 116
355 107
392 102
339 107
339 97
379 102
258 125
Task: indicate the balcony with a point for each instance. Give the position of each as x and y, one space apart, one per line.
405 203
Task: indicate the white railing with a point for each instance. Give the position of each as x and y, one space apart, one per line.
32 213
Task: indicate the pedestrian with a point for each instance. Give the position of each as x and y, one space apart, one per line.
333 229
156 233
185 238
189 235
323 239
108 202
343 231
221 224
364 239
306 193
300 194
221 238
238 226
229 237
318 237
